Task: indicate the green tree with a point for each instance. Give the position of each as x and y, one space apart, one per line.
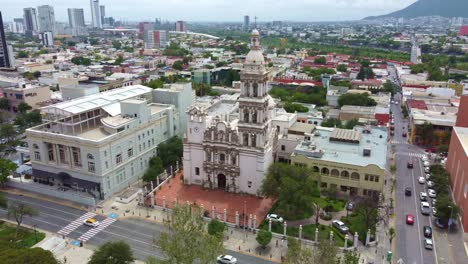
327 252
350 257
114 252
445 208
11 254
331 122
155 84
18 211
7 168
351 124
22 54
367 210
81 61
391 234
341 68
365 73
356 99
23 107
119 60
178 65
171 151
188 241
295 254
425 132
4 104
7 131
294 107
216 228
264 237
231 75
3 201
320 60
155 169
116 44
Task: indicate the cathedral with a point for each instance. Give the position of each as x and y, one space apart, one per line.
229 145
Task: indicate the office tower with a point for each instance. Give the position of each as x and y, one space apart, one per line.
18 25
246 26
180 26
77 21
156 39
47 38
30 21
96 14
102 9
5 50
46 18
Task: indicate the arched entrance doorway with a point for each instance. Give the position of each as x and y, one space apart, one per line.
222 181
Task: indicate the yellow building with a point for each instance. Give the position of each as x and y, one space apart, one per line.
354 161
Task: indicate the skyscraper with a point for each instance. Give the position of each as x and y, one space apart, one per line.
102 9
76 21
47 38
96 13
30 20
5 51
180 26
246 26
46 18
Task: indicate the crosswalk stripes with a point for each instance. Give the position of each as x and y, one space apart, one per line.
412 154
75 224
86 236
399 142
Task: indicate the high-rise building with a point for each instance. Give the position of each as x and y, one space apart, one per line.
246 26
77 21
180 26
102 9
5 50
46 18
156 39
96 13
30 21
47 38
18 25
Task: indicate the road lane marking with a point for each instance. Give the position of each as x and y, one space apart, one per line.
75 224
92 232
417 215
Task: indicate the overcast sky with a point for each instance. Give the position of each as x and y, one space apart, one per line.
216 10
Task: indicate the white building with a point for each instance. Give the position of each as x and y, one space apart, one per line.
230 144
46 18
95 13
47 38
101 143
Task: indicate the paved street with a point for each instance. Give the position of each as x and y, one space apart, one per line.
139 234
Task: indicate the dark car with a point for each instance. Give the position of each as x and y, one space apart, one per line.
440 224
409 165
408 191
427 231
404 134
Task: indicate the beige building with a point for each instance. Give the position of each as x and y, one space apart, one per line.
353 161
351 112
33 95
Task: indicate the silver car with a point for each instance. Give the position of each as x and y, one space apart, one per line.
428 243
226 259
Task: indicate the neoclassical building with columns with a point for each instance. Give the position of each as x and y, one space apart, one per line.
230 142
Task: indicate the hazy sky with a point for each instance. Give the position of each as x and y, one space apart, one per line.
216 10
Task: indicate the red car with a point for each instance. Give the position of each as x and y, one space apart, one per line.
404 134
409 219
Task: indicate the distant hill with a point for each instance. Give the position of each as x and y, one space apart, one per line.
444 8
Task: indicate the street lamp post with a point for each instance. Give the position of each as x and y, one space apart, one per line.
35 232
245 234
451 213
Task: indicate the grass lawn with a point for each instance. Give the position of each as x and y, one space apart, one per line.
337 205
356 223
308 232
26 237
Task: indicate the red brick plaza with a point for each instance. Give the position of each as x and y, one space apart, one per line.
194 194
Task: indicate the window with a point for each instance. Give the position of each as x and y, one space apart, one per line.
107 165
130 152
19 96
366 177
233 160
376 178
62 156
355 176
222 158
345 174
105 153
91 167
89 156
76 156
344 188
335 172
283 147
325 171
315 169
50 150
37 155
197 171
118 158
249 184
465 192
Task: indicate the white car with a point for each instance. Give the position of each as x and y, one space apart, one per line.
430 184
428 176
425 208
425 158
433 202
434 212
428 243
422 180
275 218
226 259
423 196
427 170
427 164
432 193
91 222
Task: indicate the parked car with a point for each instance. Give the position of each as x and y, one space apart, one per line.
350 206
427 170
392 133
432 193
428 176
427 164
409 219
427 231
227 259
430 184
423 196
438 222
422 180
425 208
434 211
404 134
340 226
409 165
91 222
425 158
428 244
275 218
408 191
3 141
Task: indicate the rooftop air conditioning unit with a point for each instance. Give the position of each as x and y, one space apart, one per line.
366 152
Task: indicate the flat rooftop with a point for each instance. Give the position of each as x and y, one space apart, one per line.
462 134
344 152
94 134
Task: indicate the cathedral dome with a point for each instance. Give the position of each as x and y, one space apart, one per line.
255 55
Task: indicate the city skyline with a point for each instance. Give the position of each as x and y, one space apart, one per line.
211 10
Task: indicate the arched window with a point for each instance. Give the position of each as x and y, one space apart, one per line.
222 158
245 139
335 173
255 90
246 116
90 156
355 176
35 146
254 117
325 171
315 169
254 140
345 174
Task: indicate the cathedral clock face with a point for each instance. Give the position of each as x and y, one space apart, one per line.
196 129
